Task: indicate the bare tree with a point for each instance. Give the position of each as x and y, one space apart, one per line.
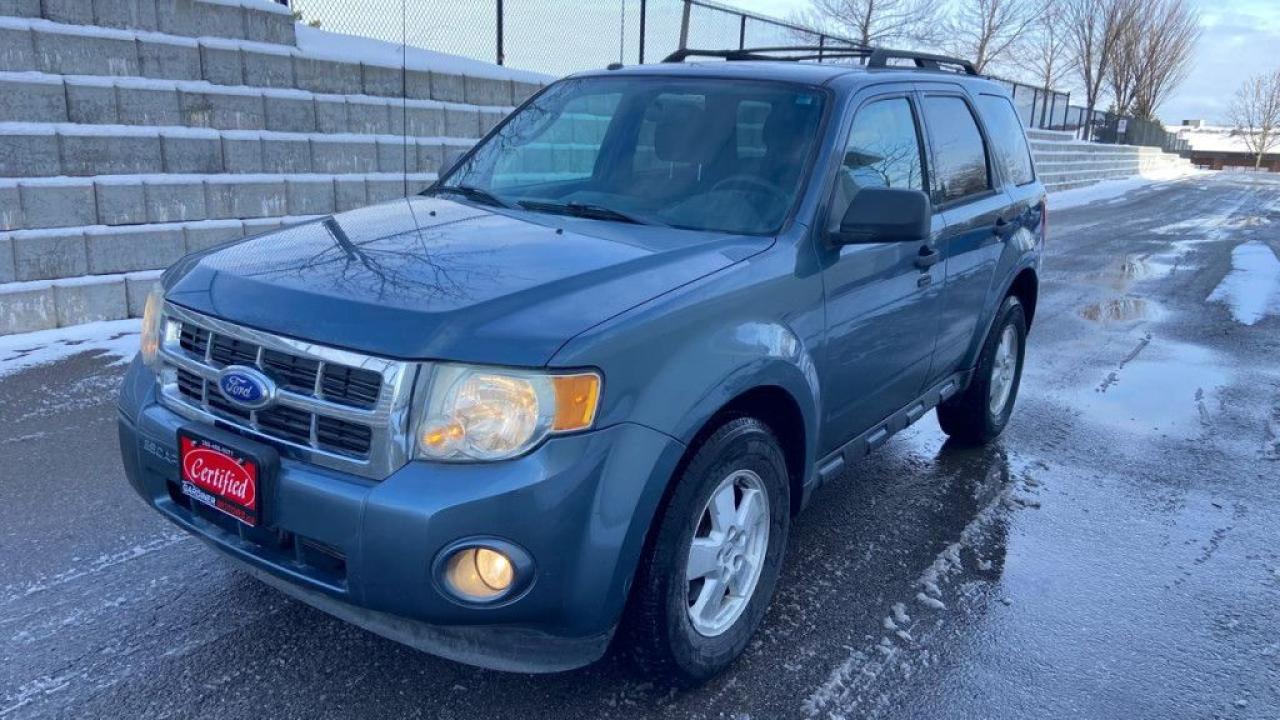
1044 54
985 31
877 22
1255 113
1095 29
1166 48
1126 64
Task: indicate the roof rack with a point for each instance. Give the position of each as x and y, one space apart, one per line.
872 57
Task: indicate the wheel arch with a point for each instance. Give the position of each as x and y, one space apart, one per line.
778 409
1026 287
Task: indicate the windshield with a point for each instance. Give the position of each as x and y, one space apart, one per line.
704 154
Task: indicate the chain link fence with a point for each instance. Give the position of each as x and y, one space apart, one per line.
559 38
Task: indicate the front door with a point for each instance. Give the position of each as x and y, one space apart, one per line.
882 298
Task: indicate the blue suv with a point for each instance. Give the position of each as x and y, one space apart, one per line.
575 392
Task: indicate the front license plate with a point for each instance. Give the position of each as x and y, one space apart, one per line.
220 476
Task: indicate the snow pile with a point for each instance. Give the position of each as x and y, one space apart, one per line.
1111 189
115 338
1252 289
328 45
1211 138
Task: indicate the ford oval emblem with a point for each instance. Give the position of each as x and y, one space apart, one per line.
246 387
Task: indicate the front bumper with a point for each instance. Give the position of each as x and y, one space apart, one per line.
363 551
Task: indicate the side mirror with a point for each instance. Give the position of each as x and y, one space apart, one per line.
879 214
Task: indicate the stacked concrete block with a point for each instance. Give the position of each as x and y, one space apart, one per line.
25 307
48 254
41 100
126 249
20 8
7 274
136 287
11 216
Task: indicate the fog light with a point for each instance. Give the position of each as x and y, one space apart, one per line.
479 573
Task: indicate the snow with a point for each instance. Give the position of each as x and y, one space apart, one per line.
1211 138
1111 189
256 5
323 44
201 86
1252 289
113 338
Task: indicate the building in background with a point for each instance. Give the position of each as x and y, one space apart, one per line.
1216 147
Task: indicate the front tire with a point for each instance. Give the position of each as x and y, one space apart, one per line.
979 414
713 563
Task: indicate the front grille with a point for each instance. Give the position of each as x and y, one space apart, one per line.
342 404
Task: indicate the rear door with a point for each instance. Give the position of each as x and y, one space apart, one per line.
966 191
882 305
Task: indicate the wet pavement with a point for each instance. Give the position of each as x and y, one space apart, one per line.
1115 555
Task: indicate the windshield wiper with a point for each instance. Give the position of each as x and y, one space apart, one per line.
583 210
470 193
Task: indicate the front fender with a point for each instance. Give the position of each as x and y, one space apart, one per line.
676 361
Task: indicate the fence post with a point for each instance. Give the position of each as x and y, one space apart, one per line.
1053 110
501 55
742 33
684 25
822 43
644 4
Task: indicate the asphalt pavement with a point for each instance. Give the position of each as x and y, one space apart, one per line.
1115 555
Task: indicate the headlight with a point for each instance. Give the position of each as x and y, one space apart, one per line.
152 318
474 413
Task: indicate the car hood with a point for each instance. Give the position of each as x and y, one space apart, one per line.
428 278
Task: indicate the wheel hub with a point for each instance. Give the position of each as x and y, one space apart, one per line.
1004 368
727 552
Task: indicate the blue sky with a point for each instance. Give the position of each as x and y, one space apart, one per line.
1241 37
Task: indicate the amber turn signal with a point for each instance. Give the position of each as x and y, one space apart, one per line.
576 400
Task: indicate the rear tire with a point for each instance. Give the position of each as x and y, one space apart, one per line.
671 641
980 413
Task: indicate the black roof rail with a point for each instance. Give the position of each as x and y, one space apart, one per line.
874 57
760 53
880 58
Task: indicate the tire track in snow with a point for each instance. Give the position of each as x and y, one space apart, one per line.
102 563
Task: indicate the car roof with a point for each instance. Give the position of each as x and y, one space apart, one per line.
809 73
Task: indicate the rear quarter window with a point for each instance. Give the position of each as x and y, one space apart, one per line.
1010 144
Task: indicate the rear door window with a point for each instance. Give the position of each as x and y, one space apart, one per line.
1007 138
959 152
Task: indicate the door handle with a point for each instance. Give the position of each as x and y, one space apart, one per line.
1004 228
928 257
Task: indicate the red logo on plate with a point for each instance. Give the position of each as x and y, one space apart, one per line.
219 474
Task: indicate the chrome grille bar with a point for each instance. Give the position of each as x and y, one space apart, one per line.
386 422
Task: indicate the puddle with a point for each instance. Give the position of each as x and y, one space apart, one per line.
1161 388
1252 289
1120 310
1129 269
